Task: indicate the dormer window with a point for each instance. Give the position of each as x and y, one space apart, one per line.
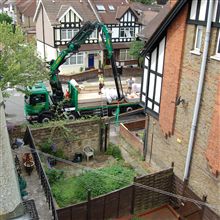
100 7
111 8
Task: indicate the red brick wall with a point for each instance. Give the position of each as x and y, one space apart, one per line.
172 65
137 125
213 149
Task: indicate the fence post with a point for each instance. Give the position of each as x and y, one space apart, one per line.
89 205
133 197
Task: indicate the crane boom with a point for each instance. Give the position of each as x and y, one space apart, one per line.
73 47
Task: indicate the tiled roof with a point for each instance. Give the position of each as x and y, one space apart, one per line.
108 16
56 8
26 7
153 24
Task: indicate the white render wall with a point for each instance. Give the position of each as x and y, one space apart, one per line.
50 52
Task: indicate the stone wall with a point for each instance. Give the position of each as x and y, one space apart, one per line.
174 148
73 137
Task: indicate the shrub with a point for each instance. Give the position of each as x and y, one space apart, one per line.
115 151
54 175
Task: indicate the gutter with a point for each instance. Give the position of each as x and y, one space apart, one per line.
199 92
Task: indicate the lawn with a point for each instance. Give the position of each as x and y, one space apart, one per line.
73 190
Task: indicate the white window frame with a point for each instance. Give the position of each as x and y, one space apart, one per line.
124 55
93 35
100 7
78 57
127 31
218 45
111 7
66 32
199 28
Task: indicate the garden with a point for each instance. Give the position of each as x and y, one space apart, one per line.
105 173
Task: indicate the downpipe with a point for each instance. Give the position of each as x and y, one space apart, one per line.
199 92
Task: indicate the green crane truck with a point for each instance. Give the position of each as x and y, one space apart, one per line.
42 106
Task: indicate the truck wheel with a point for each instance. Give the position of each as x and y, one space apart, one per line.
46 119
128 109
71 117
113 111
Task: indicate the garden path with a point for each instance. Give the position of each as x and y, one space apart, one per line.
130 155
34 188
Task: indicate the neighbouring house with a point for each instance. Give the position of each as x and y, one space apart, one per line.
25 10
8 7
58 21
181 105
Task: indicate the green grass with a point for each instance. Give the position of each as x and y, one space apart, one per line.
74 190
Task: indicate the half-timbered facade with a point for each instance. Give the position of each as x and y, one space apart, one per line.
173 88
59 22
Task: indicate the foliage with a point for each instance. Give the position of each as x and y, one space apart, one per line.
75 189
114 150
135 49
5 18
147 2
47 148
54 175
19 65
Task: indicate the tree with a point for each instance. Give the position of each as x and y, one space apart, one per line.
135 49
19 64
147 2
5 18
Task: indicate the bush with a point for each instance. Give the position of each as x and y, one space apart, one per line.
75 189
47 148
54 175
115 151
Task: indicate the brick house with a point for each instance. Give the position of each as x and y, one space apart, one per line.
58 21
174 54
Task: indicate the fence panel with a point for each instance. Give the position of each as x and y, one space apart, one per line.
111 205
147 198
125 202
97 207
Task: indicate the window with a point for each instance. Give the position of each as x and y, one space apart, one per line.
75 59
100 7
111 7
124 55
152 80
218 45
198 40
39 98
127 32
93 35
68 34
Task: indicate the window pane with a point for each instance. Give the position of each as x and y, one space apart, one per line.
153 60
143 98
158 89
151 86
145 80
150 104
218 44
63 34
198 38
156 108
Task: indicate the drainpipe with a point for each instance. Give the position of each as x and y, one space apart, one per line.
199 92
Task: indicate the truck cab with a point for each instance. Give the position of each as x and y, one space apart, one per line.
37 101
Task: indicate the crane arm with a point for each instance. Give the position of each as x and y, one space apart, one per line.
73 47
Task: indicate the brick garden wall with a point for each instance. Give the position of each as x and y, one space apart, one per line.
80 134
174 148
91 74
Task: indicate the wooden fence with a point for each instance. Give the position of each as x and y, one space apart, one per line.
112 205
